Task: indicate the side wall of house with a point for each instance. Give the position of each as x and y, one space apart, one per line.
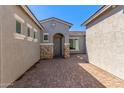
105 42
0 46
19 53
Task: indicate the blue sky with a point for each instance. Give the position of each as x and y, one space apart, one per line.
75 14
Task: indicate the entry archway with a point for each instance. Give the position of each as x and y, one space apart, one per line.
58 40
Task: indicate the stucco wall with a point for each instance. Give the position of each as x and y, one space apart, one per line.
0 63
105 42
0 56
18 54
59 28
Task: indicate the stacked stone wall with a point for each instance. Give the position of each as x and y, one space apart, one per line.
66 51
46 51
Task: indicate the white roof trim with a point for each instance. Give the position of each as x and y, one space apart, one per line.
31 15
35 30
28 25
96 14
46 43
74 37
45 33
18 18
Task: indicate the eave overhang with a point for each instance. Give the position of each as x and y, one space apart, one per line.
28 11
98 13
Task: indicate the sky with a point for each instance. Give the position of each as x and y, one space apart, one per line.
75 14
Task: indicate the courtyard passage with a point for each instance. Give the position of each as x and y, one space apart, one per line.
74 72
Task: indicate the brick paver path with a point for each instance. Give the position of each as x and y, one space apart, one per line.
74 72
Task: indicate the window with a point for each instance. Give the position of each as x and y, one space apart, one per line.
74 44
18 27
45 37
34 34
19 22
28 32
29 27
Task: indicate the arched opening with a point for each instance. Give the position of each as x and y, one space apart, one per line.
58 40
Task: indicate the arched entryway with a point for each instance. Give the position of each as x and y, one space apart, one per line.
58 40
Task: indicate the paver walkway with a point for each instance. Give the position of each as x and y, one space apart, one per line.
74 72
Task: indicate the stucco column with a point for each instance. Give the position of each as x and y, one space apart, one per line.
66 50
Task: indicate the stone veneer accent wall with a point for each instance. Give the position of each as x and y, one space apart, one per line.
66 50
46 51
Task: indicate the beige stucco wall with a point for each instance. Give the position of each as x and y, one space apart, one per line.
0 65
0 57
18 54
105 42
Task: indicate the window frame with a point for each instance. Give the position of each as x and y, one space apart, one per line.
35 34
20 27
73 38
44 35
29 27
28 32
20 20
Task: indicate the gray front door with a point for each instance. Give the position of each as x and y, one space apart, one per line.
57 47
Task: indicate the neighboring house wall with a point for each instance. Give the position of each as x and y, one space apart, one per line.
0 46
82 43
105 42
0 57
19 53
